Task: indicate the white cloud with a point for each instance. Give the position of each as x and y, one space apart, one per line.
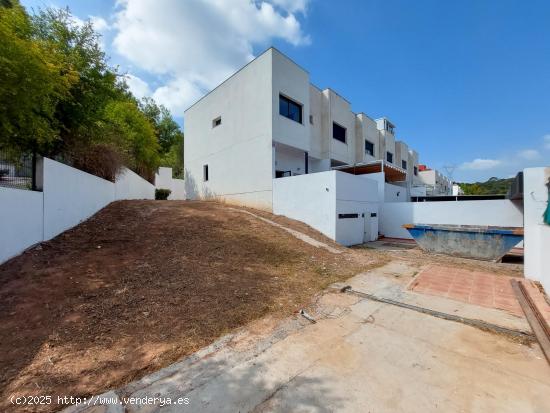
99 23
481 164
529 154
138 86
292 6
196 44
546 140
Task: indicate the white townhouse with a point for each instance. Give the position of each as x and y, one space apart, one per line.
267 121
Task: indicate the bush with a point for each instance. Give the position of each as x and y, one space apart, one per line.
162 194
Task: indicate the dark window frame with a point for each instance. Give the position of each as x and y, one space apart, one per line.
389 156
205 173
292 107
404 164
335 127
216 122
415 170
370 152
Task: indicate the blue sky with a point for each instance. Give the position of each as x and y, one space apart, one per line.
467 83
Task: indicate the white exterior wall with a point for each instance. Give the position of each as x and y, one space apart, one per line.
292 81
537 233
239 151
500 212
129 185
367 130
21 221
308 198
317 199
69 197
355 194
340 113
164 180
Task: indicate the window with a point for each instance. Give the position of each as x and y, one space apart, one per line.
290 109
416 170
282 174
404 164
347 216
311 119
338 132
389 157
217 122
205 173
369 148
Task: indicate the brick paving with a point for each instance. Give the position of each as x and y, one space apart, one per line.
474 287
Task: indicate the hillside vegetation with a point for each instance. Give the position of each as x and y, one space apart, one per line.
493 186
60 98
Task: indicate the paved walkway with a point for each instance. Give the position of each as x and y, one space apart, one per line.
361 355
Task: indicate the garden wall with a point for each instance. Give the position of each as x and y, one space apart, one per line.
69 197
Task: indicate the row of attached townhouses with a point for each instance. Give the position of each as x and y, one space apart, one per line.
268 122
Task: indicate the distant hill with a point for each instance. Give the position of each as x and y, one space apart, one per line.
493 186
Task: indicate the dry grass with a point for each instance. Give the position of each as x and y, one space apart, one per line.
143 284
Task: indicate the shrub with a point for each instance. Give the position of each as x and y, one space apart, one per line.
162 194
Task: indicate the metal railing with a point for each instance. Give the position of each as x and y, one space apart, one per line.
17 171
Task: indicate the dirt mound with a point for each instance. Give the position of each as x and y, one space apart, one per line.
142 284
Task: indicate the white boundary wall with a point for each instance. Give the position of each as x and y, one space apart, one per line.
130 185
164 180
537 233
318 198
69 197
500 212
20 220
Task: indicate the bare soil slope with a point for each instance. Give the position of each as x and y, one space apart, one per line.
143 284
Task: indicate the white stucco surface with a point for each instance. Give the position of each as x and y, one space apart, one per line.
20 221
71 196
501 212
238 152
308 198
537 233
319 199
164 180
130 185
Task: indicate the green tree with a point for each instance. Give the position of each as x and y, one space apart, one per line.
130 130
169 135
32 83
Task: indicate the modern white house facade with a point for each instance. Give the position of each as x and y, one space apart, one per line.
435 182
268 121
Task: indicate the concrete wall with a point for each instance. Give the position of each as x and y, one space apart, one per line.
129 185
499 212
238 152
318 199
164 180
308 198
537 233
20 221
69 197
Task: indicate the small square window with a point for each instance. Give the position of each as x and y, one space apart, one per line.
205 173
389 157
217 122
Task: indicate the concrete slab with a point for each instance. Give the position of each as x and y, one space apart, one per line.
361 355
475 287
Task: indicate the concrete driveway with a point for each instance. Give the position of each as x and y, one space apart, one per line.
361 355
